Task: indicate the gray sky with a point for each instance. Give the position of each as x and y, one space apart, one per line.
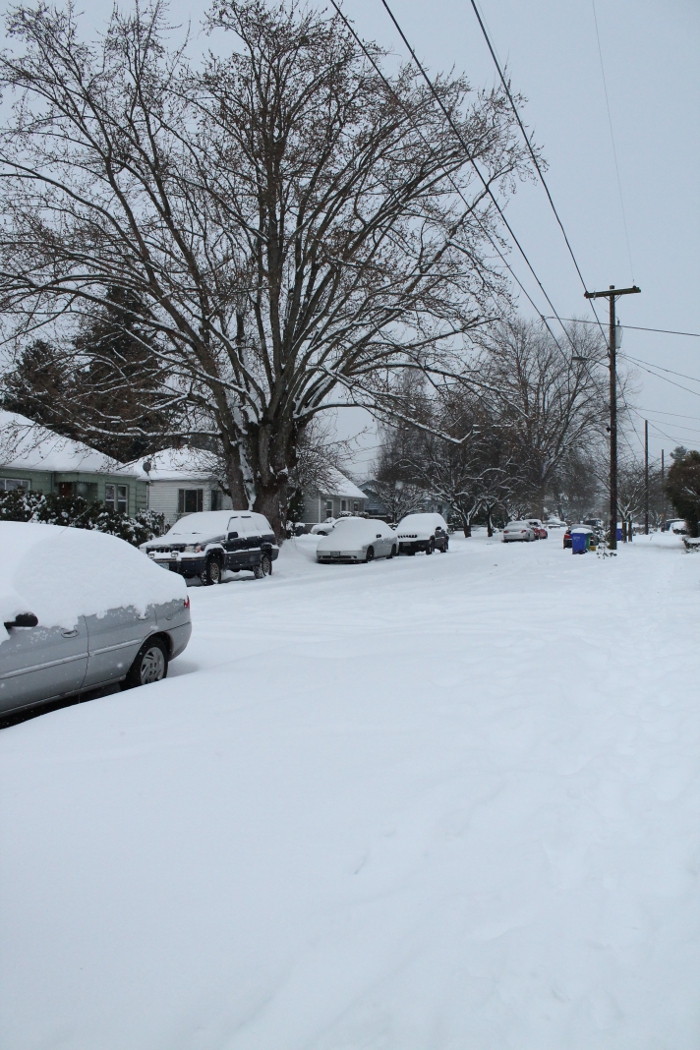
650 52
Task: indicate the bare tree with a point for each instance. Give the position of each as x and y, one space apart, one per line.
548 396
286 222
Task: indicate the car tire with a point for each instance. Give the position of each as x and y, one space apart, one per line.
445 547
392 552
369 556
212 573
430 548
150 665
264 568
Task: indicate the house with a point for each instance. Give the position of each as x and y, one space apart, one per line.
182 481
32 457
336 495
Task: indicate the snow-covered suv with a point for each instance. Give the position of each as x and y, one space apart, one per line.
422 532
208 543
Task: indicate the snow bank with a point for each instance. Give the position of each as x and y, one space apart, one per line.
61 573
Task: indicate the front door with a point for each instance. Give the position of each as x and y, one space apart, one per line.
41 663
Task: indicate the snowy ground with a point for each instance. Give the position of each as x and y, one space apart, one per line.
446 803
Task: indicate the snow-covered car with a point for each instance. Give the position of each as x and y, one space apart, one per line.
422 532
520 531
357 539
82 610
324 527
677 525
555 523
207 544
538 528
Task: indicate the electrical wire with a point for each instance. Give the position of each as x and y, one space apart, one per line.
634 327
681 375
612 139
457 189
472 161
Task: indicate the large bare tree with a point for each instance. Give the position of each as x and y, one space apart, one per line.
287 222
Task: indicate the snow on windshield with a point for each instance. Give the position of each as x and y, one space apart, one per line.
61 573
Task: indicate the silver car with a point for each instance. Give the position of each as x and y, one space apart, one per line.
521 531
358 539
82 610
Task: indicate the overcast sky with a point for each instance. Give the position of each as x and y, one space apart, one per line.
650 54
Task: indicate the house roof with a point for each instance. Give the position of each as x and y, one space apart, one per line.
336 484
25 445
178 464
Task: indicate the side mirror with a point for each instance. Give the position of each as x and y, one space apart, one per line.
23 620
379 536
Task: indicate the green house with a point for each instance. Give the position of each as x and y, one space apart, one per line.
32 457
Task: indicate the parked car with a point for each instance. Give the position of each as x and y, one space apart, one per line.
357 539
555 523
597 537
324 527
82 610
518 530
677 525
207 544
538 528
423 532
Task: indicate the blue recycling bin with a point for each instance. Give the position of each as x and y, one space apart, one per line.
579 544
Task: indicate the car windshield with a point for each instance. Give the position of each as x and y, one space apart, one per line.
208 522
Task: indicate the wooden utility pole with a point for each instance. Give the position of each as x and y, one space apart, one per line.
611 295
646 477
663 486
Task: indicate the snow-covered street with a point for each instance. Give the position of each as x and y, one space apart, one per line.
434 803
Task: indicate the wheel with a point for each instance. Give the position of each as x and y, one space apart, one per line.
212 573
264 568
430 548
370 554
150 665
393 552
445 547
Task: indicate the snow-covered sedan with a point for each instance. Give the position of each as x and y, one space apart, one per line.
82 610
520 531
357 539
423 532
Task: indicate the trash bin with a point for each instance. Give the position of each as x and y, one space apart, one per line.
579 542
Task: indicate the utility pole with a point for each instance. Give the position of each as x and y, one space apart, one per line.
663 486
611 295
646 477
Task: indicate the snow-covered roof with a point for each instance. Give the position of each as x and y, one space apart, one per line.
178 464
25 445
336 484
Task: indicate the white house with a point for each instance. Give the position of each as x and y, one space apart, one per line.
182 481
335 496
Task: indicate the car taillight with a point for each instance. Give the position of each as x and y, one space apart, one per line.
523 532
186 602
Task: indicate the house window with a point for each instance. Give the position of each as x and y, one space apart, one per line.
117 498
8 484
189 501
217 499
329 508
87 489
343 504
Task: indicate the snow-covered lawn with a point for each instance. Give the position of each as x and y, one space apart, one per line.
445 803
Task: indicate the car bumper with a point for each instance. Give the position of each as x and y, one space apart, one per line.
187 567
411 546
179 638
340 556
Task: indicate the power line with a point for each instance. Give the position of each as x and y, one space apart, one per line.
638 360
634 327
472 161
612 139
664 379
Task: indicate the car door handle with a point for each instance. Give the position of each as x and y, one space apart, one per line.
71 634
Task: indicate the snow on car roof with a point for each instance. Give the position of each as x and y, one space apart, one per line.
426 518
60 573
